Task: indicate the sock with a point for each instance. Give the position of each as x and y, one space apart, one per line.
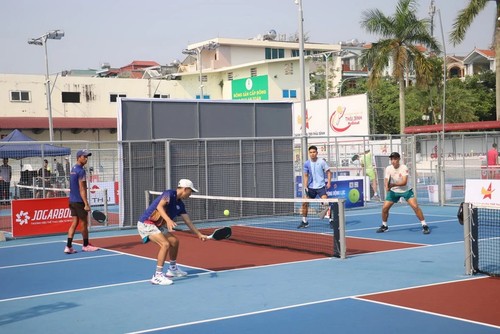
69 242
85 242
423 222
159 270
304 220
384 223
173 265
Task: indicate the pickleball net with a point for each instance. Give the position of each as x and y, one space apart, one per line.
482 239
270 222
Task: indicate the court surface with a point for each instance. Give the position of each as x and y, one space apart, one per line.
400 281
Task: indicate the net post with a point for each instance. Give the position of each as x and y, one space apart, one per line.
106 206
467 238
343 247
146 197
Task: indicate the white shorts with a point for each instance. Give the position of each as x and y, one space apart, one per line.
147 229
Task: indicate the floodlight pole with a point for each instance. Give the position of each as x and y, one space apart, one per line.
198 52
302 82
443 121
42 41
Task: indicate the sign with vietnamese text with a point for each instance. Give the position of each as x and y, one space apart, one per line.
40 216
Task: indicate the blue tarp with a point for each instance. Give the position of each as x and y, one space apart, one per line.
23 147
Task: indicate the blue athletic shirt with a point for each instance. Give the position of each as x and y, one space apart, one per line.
173 208
317 173
77 173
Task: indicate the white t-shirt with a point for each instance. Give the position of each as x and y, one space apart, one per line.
396 176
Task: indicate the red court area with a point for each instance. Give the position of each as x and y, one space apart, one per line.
244 250
475 300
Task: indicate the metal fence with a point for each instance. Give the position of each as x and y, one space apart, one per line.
261 167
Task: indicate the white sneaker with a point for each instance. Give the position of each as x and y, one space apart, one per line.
176 273
160 279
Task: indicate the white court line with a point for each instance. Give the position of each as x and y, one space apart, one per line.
401 225
356 297
426 312
57 261
71 291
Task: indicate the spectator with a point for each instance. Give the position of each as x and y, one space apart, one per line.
5 176
492 160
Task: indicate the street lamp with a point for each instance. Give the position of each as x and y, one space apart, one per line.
326 55
302 81
197 52
42 41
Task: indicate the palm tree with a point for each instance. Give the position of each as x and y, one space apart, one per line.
402 34
463 22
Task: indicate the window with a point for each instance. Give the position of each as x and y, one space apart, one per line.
253 72
289 69
20 96
114 97
289 93
230 76
70 97
274 53
161 96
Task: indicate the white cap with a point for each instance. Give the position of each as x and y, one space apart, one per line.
185 183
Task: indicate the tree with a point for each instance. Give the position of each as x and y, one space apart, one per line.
463 22
402 35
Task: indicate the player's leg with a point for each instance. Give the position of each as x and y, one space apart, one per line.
159 278
173 269
412 201
386 207
73 207
305 210
84 219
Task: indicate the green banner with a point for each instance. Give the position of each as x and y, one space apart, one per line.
253 88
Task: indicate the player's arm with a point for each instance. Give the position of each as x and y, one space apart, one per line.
161 209
82 187
185 217
305 182
328 177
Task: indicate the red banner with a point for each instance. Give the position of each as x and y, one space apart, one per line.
32 217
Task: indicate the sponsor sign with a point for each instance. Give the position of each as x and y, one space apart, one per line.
31 217
351 190
96 193
482 192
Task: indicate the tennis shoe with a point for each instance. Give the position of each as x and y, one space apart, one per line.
426 229
383 228
303 225
160 279
176 273
69 250
89 248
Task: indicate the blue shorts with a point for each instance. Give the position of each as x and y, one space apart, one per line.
394 197
313 193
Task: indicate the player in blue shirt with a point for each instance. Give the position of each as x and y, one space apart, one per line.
316 180
156 224
78 203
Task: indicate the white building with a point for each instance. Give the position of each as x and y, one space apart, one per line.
85 107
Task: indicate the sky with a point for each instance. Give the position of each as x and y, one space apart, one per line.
121 31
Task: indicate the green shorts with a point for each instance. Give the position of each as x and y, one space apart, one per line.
371 174
394 197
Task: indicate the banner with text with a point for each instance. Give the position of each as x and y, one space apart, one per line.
482 192
41 216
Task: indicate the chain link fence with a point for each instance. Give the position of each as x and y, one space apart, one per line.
251 167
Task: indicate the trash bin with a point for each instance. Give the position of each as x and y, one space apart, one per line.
433 191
